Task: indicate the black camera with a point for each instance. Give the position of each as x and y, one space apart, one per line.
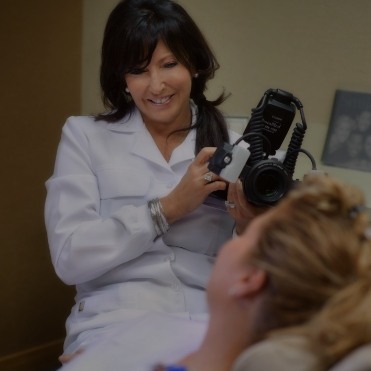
265 178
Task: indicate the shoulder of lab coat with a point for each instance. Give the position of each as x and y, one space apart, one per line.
82 244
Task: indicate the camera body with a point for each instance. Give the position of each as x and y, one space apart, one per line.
272 118
265 178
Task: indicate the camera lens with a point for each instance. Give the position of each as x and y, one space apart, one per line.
266 182
269 184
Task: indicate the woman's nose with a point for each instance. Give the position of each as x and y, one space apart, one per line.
156 83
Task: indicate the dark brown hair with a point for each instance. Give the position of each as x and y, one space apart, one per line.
132 32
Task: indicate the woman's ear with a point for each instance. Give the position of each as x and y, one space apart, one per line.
250 283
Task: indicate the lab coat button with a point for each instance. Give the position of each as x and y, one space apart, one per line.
81 306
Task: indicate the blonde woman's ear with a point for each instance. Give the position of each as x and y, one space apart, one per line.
250 283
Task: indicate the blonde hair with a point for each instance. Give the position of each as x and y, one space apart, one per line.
318 261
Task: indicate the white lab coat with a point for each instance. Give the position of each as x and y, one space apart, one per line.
101 235
153 339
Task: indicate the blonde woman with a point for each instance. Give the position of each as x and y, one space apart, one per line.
294 291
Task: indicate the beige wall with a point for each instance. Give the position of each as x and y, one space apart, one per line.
40 85
310 48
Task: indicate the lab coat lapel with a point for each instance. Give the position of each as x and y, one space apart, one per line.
185 151
143 145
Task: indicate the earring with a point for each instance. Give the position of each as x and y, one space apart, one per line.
127 96
195 75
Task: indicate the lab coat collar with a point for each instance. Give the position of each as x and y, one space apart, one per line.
144 146
129 124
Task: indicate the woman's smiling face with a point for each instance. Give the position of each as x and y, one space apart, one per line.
161 90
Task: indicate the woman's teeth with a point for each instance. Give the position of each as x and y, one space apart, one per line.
162 100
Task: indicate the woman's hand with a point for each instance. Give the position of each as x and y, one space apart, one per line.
193 189
242 211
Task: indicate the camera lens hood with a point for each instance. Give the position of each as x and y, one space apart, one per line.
266 182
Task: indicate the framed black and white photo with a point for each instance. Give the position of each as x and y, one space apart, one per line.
348 141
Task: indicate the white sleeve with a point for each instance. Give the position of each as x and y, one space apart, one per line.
83 245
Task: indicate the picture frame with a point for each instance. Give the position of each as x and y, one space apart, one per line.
348 140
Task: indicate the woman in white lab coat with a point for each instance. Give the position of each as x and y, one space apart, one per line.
130 212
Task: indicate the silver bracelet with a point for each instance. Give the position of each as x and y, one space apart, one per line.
158 217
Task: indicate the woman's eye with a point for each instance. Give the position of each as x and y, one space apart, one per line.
136 71
171 64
